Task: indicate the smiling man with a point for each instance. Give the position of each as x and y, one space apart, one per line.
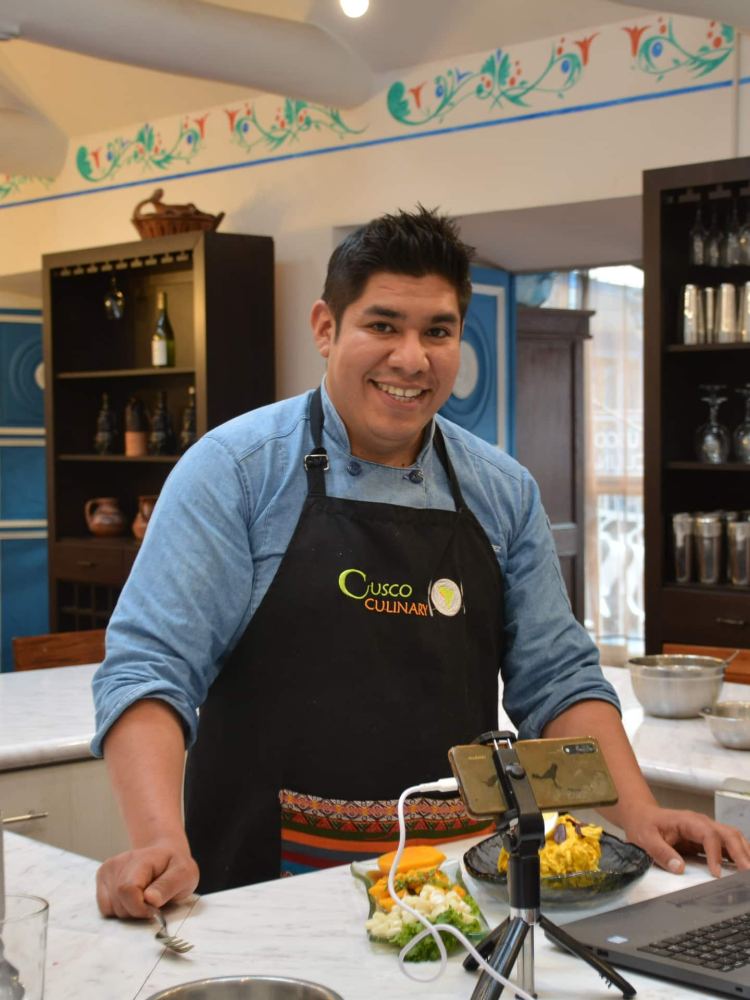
337 582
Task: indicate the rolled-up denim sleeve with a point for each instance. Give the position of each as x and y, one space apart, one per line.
550 661
187 597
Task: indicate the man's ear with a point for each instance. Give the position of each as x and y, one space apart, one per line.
323 327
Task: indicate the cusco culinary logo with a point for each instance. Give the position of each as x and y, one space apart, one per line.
444 595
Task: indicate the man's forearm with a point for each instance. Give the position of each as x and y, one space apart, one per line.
145 755
602 720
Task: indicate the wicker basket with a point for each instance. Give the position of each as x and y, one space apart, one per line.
166 220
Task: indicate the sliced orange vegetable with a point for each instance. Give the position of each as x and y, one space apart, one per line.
421 856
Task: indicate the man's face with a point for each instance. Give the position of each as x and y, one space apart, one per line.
393 363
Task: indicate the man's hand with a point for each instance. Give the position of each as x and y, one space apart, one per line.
128 883
666 833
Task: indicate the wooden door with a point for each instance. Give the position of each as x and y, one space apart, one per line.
549 427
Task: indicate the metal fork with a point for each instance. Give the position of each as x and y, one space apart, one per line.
169 941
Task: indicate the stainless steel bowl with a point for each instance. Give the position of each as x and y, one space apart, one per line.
247 988
676 686
729 722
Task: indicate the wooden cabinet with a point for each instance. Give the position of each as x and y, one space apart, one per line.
549 427
220 300
674 480
82 814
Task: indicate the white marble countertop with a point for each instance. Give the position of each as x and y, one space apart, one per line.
309 927
47 716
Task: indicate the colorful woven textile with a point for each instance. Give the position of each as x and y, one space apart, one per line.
320 833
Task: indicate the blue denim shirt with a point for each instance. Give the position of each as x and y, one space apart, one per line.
222 525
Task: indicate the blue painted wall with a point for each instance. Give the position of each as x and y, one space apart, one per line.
483 397
23 515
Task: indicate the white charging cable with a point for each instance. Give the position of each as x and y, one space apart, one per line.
443 785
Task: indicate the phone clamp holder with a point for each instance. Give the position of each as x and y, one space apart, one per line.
522 831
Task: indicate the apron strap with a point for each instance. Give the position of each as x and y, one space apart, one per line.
316 461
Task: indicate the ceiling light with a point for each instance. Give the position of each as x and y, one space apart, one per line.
354 8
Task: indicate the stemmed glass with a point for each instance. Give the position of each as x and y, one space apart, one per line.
712 438
114 300
742 431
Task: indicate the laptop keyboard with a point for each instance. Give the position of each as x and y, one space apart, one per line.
723 946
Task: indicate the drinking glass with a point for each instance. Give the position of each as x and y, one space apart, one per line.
23 945
742 431
712 438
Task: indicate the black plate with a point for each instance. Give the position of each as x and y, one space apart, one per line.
620 865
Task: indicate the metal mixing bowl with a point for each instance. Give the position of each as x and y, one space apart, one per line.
729 722
247 988
676 686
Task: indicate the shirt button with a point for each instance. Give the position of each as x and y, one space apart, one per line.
354 468
416 476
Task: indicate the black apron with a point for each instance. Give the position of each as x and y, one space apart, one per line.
376 648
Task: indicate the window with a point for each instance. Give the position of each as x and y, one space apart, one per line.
614 452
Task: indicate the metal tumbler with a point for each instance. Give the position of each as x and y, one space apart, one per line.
693 318
708 537
709 313
682 536
743 314
738 553
725 322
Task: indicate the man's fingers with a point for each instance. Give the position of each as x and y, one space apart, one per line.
176 883
103 898
664 855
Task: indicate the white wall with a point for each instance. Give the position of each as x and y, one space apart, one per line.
480 162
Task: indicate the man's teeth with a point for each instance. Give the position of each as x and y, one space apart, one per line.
394 390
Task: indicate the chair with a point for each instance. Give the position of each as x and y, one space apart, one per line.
59 649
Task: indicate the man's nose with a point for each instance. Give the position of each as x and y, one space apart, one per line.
409 354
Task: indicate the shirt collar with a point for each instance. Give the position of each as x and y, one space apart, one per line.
334 426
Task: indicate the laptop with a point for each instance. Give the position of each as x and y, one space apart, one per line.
699 936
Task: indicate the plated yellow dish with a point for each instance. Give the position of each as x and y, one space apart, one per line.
569 847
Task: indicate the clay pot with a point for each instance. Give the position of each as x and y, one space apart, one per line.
104 517
145 509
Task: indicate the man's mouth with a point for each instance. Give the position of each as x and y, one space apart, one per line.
398 392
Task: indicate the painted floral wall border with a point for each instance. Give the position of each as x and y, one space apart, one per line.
499 83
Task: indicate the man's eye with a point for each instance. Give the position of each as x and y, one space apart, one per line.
439 332
381 327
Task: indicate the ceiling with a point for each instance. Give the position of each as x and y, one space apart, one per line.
83 95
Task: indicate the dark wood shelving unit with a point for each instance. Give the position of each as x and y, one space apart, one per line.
126 373
705 467
705 348
221 304
164 459
688 616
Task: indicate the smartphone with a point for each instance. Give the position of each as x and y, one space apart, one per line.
563 774
474 769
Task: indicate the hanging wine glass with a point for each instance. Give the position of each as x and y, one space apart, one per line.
697 239
114 300
742 431
712 438
744 238
714 239
730 241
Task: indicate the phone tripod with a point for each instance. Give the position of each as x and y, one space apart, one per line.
522 831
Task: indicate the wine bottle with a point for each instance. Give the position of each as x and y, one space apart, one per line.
136 429
161 439
106 428
188 432
162 342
